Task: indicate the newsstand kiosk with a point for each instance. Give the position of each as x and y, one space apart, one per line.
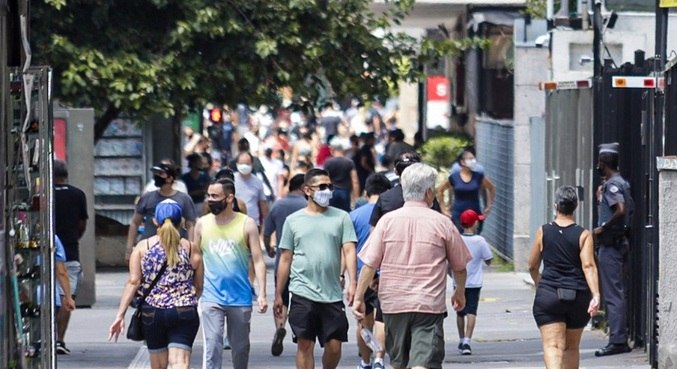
27 242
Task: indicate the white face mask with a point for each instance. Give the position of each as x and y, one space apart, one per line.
244 168
322 198
471 163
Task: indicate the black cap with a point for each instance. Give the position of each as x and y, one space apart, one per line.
164 168
405 159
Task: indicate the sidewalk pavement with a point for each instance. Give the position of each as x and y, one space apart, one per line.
505 336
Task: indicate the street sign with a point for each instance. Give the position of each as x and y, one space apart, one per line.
668 4
438 104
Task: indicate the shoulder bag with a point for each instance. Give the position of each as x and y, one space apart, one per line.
134 331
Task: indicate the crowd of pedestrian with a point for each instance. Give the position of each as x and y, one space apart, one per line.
351 215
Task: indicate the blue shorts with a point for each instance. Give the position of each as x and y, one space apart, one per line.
472 301
169 328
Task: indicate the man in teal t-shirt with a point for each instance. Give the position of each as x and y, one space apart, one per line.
312 242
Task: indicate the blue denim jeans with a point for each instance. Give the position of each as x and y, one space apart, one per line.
174 327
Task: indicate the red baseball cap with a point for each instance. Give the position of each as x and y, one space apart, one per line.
469 217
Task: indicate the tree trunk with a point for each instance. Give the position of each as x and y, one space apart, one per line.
102 123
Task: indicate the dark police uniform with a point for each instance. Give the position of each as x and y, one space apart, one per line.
613 247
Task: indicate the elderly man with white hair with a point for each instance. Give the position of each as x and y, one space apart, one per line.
413 247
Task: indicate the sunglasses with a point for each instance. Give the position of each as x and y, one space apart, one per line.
324 186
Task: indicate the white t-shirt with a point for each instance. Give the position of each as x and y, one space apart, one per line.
480 251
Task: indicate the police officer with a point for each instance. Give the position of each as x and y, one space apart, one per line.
613 247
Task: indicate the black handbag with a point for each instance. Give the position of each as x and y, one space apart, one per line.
134 331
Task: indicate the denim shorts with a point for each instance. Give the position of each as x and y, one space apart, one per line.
169 328
74 269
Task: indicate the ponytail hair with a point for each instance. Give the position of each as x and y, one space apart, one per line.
170 239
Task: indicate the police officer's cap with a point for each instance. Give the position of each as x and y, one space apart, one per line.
609 148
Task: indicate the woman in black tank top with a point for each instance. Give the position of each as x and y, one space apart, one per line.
567 293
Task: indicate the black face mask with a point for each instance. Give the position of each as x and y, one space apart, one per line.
600 170
158 181
217 207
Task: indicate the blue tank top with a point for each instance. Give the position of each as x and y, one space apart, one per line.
226 261
466 194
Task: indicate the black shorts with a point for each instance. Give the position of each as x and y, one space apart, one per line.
324 321
372 303
472 301
549 309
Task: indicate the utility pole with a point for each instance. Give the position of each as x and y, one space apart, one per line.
597 79
661 33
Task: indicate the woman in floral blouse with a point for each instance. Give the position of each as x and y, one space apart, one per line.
169 313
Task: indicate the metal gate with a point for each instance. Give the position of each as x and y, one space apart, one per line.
568 149
495 149
671 108
632 117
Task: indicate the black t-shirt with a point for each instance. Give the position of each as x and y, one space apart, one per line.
70 207
389 201
339 169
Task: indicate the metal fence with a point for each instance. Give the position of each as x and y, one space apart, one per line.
495 140
568 137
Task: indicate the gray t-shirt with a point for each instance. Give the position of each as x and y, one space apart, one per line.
251 191
281 209
316 241
148 202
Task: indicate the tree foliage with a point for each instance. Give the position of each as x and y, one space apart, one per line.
441 151
147 57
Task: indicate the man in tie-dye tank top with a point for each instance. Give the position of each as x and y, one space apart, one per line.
228 240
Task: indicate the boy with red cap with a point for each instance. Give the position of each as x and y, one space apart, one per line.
480 251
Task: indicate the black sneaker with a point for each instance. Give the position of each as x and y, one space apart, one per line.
61 348
460 346
277 347
466 350
613 349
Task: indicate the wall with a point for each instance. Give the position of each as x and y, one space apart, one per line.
531 67
80 154
408 101
667 239
633 31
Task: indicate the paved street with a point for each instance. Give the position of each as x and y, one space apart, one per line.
506 335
